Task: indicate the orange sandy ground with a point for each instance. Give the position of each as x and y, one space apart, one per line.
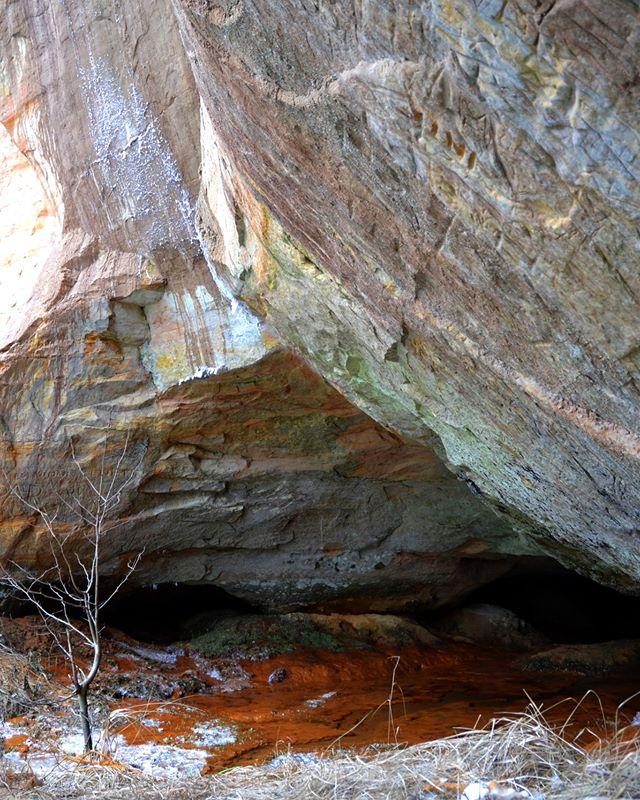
437 691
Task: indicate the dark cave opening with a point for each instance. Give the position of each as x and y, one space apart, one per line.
563 605
169 612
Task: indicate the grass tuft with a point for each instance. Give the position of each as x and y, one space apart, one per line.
521 753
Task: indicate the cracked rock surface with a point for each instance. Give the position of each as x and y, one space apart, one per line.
248 470
438 206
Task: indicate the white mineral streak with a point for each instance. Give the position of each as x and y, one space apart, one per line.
194 333
133 158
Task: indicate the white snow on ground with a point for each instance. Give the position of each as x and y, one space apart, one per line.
185 758
73 744
211 735
11 729
292 758
214 673
319 701
170 761
481 791
210 670
152 722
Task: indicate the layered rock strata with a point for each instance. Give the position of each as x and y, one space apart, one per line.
247 470
437 203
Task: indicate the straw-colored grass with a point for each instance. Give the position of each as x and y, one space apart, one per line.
521 753
22 684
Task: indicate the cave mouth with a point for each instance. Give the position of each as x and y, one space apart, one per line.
169 612
563 606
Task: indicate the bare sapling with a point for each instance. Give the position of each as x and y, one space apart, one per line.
67 595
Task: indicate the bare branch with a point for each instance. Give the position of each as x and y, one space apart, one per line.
67 594
131 568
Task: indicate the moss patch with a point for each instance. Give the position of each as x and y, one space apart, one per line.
257 637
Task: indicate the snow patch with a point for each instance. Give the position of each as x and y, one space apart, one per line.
215 673
8 729
297 759
319 701
169 761
211 735
159 760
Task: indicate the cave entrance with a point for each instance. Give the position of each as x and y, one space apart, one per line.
560 604
168 612
563 605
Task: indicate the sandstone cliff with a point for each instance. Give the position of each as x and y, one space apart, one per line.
435 206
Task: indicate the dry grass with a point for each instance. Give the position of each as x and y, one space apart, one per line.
519 752
22 685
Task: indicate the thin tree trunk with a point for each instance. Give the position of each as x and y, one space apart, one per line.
84 718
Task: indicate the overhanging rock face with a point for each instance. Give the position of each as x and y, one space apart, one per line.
249 471
437 204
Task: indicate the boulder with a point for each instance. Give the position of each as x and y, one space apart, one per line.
587 659
437 204
353 277
264 636
482 623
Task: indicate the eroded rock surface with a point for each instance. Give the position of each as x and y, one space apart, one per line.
486 624
587 659
437 203
248 470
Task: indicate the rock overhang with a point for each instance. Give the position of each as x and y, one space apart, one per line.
347 212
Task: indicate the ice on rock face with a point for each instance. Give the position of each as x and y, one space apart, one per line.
213 338
133 157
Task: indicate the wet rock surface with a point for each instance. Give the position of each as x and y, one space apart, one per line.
587 659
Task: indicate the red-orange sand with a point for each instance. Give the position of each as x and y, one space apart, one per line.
325 696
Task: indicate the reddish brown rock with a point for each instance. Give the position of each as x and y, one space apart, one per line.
436 207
